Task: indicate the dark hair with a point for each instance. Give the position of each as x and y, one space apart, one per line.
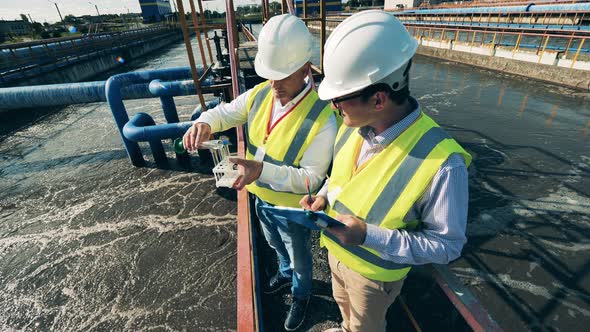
398 97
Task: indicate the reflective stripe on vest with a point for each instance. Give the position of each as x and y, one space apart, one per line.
342 139
258 99
400 179
360 251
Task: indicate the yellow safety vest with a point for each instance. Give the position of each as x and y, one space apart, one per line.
288 139
384 189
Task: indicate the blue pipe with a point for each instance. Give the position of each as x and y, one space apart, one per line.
114 98
142 84
564 7
465 10
89 92
178 88
199 110
173 129
543 27
64 94
169 109
504 9
139 129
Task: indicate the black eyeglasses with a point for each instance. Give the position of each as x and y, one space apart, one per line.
336 101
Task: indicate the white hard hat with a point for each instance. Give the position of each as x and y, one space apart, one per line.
284 46
367 48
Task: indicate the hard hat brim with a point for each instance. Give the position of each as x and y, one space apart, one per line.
268 73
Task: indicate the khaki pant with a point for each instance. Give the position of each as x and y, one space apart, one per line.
363 302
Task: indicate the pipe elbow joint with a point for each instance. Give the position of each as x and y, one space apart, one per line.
135 129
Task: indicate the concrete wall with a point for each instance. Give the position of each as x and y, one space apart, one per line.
86 69
549 66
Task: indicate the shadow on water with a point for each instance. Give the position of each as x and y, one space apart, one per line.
11 121
502 192
47 164
529 207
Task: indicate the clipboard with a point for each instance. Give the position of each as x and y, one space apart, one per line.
313 220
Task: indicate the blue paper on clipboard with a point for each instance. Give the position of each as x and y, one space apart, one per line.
306 218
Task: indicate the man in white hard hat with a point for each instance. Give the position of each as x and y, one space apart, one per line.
290 135
399 181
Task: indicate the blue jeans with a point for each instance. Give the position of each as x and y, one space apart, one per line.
291 242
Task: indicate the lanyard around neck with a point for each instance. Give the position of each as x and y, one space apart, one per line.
269 125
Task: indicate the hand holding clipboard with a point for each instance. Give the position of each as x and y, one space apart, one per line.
312 220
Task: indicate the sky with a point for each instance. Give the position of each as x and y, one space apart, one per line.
45 11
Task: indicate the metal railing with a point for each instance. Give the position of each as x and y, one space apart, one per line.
495 3
552 28
514 41
557 20
16 58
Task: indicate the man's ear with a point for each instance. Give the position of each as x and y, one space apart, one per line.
379 99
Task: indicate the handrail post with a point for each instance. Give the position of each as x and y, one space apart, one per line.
322 32
517 43
569 43
198 32
544 46
247 322
233 46
205 29
264 11
189 51
290 6
577 52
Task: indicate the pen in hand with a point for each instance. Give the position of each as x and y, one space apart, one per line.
309 199
310 214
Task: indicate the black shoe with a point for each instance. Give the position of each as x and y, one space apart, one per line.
276 283
296 314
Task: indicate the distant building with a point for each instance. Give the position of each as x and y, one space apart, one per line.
154 10
14 27
313 7
399 4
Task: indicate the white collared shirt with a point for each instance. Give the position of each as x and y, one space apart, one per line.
278 109
315 160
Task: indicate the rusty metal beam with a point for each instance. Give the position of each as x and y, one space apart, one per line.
466 303
206 30
189 51
198 33
322 32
